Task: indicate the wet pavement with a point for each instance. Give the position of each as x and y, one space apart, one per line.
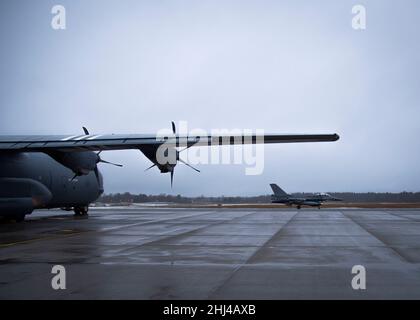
162 253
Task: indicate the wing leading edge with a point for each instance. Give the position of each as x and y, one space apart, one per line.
132 141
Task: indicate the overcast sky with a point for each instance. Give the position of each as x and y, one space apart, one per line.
282 66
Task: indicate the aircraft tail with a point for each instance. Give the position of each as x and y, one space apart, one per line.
279 192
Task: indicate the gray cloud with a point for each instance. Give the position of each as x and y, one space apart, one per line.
295 66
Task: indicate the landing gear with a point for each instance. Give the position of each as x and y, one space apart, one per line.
319 207
81 211
299 207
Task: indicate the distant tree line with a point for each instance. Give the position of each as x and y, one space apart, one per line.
127 197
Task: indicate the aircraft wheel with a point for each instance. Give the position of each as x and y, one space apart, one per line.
85 211
81 211
319 208
299 207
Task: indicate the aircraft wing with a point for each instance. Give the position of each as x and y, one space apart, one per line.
98 142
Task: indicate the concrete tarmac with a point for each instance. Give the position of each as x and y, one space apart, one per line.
163 253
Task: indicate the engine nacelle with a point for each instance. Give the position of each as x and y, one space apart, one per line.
170 155
20 196
166 167
81 163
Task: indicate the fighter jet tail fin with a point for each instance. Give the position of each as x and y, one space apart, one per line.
279 192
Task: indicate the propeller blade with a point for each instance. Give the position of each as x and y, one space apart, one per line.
86 131
96 172
188 165
183 149
173 128
172 178
154 165
107 162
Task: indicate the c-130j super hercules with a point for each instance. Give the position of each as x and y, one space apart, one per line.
39 172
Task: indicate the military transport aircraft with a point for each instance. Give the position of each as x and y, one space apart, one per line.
62 171
316 200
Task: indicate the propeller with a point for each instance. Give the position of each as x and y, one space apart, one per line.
85 171
173 127
171 168
96 171
172 171
154 165
100 160
187 164
111 163
86 131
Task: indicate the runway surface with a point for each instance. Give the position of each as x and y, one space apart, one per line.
161 253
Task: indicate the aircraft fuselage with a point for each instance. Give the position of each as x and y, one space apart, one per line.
31 181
